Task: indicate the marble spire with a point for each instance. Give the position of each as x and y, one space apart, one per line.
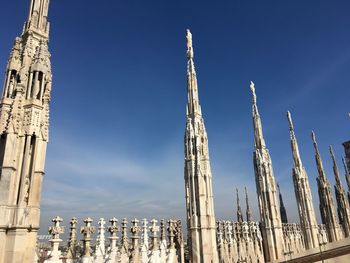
327 208
248 211
201 223
283 210
38 17
271 225
347 177
24 135
306 211
342 202
239 210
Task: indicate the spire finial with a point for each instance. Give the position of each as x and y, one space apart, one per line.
189 45
332 153
335 167
313 137
291 126
246 194
345 166
239 211
252 89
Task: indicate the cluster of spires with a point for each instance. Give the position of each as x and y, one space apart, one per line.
164 243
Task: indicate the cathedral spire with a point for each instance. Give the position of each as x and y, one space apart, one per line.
270 217
347 177
201 223
295 149
38 18
239 210
248 211
283 211
258 133
319 163
342 202
335 168
327 209
193 107
306 211
24 130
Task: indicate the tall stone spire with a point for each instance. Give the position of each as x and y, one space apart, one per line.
38 18
239 210
347 177
24 124
342 202
307 217
248 211
201 222
271 225
327 209
283 210
347 153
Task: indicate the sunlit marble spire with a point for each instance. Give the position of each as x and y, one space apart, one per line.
201 224
306 211
327 208
271 225
342 202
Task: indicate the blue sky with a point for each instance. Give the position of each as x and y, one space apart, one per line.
119 96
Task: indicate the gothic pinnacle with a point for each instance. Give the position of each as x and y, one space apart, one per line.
335 167
347 174
248 211
239 211
318 158
258 133
282 208
291 126
252 89
189 45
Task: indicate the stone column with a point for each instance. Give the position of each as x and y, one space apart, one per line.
113 230
172 258
72 240
124 249
144 241
155 254
87 231
135 231
55 231
163 243
100 244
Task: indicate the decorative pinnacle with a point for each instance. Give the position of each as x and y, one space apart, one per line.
252 89
189 45
313 138
345 166
332 153
291 126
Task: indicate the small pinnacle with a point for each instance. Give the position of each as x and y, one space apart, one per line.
291 127
313 137
252 86
190 54
252 89
344 163
189 39
331 150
